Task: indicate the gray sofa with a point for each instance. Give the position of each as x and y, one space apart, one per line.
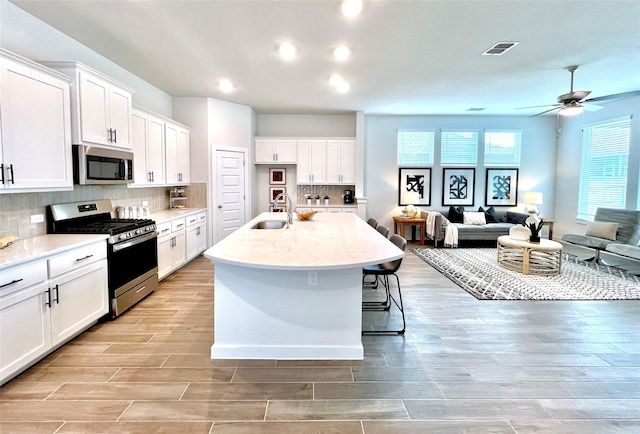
498 223
627 235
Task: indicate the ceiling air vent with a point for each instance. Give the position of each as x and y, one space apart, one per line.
499 49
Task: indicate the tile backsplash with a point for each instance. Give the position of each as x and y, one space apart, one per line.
333 191
16 209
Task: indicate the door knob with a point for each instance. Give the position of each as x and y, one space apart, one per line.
219 206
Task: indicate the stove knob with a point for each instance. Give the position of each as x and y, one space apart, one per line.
122 236
138 231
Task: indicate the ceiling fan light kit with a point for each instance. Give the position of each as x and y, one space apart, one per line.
572 109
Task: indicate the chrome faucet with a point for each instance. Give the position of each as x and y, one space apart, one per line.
287 208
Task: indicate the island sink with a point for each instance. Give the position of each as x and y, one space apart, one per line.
272 224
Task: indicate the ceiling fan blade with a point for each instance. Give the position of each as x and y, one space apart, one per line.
546 111
536 106
615 96
573 96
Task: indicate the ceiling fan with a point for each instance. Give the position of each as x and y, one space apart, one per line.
573 103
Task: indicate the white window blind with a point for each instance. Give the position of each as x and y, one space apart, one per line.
459 147
502 147
416 147
603 170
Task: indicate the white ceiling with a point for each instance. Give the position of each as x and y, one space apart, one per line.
408 57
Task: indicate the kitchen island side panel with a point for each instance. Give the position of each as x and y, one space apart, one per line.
276 314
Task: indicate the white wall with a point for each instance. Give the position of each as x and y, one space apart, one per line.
24 34
537 169
569 155
306 125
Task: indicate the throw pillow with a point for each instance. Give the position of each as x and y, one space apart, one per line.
455 214
517 218
604 230
489 214
474 218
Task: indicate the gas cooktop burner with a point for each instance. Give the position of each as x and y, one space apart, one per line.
112 227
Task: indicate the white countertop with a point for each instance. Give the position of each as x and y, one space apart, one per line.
34 248
328 241
170 214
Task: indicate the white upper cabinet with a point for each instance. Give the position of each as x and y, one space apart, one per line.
147 141
101 107
35 127
311 162
341 157
281 151
177 154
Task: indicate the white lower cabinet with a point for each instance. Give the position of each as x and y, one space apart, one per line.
48 302
172 249
196 235
338 209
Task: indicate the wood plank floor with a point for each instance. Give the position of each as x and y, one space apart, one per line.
463 366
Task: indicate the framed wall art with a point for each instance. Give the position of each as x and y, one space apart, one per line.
275 191
502 187
414 186
458 186
277 176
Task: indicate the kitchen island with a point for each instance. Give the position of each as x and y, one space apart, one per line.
294 293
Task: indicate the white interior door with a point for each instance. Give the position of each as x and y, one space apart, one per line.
230 192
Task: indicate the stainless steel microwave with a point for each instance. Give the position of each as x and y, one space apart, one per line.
93 165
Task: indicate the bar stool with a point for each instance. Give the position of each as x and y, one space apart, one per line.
383 230
373 222
382 272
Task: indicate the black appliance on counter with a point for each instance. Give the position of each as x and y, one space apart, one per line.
348 196
132 248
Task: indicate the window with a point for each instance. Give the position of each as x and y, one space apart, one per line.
415 147
459 147
603 170
502 147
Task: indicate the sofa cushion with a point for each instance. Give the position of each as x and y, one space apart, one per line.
517 218
602 230
624 250
455 214
473 218
490 214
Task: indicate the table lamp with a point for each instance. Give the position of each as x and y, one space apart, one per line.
411 197
532 198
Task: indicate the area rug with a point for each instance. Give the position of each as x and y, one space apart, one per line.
477 272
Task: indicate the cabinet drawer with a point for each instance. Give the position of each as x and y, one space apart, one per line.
202 217
19 278
77 258
164 228
177 225
192 220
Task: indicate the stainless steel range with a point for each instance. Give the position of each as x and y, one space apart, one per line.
132 251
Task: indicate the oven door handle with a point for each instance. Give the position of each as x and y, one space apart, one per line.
141 239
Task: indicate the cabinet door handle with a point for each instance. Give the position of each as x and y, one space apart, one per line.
180 225
198 230
57 299
48 302
152 176
165 230
11 171
148 176
2 170
109 137
82 259
140 289
11 283
115 135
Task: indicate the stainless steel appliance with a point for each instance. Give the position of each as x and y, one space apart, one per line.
94 165
132 248
347 196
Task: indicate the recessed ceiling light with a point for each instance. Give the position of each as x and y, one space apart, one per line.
287 51
341 53
226 86
343 87
335 80
351 8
